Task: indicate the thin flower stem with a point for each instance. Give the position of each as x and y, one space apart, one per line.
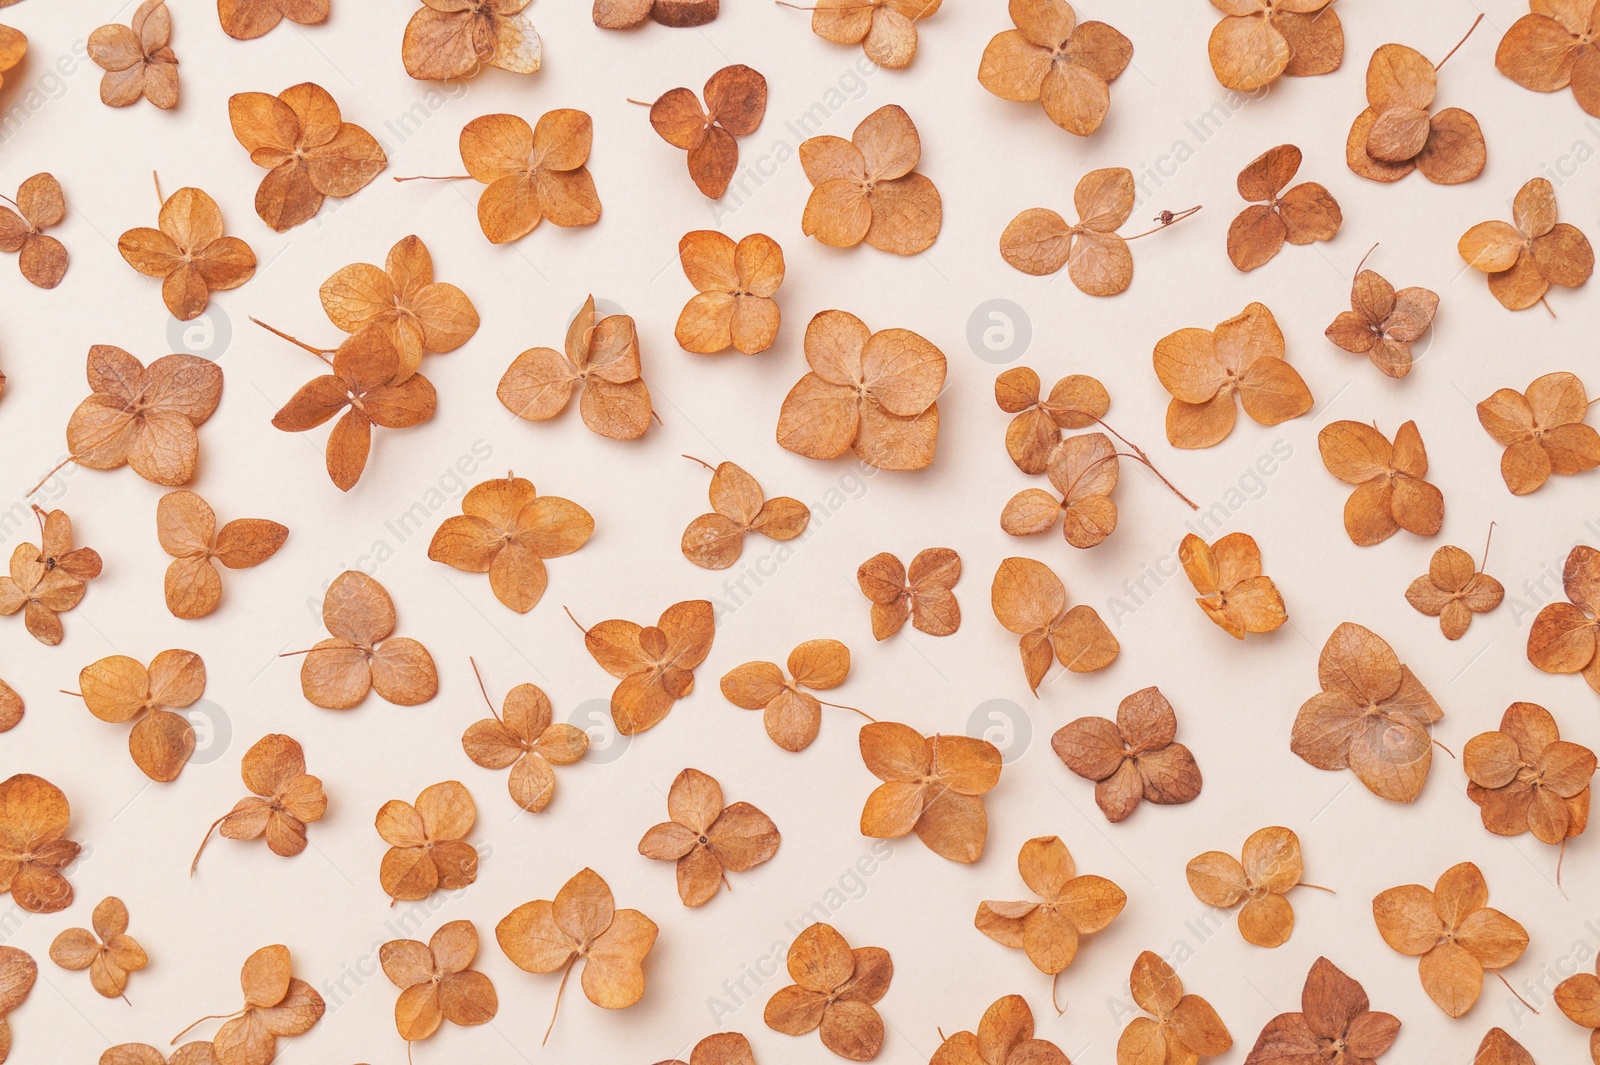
481 688
841 706
1547 306
1445 60
157 179
12 202
195 864
726 882
202 1020
75 695
1165 219
292 654
942 1037
641 103
1317 887
321 353
702 462
1486 541
1443 748
565 973
576 622
1496 972
1367 256
1137 455
436 177
657 417
53 471
1060 1009
1561 856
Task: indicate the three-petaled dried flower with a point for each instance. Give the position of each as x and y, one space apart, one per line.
524 737
602 358
436 981
144 417
1136 757
276 1004
1234 593
1181 1028
923 592
1084 469
1306 213
792 717
532 172
189 252
655 663
1391 493
1372 716
1212 372
1542 431
245 20
1335 1025
1070 906
875 394
47 579
867 188
1452 931
1258 40
886 30
1454 589
707 839
1030 600
1005 1036
39 205
720 1048
187 529
1553 48
1526 778
1565 637
449 39
118 689
1268 868
733 306
137 58
736 100
507 530
715 540
625 14
285 798
1579 998
1533 251
1382 323
419 314
933 785
18 971
1052 58
1396 135
428 850
1077 401
362 653
108 952
835 991
582 922
308 149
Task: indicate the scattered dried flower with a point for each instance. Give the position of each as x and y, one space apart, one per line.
736 282
1542 430
286 798
13 46
1498 1048
1257 40
1306 213
1030 600
886 30
276 1003
933 785
507 530
448 39
625 14
736 100
1454 589
1335 1024
1527 778
1084 469
33 845
311 153
1052 58
187 528
199 1052
1579 998
436 981
1005 1036
1565 637
1205 369
428 851
1552 48
1391 493
1137 757
1383 323
922 593
715 540
39 205
867 188
137 60
1396 135
601 356
524 737
245 20
1233 592
362 654
532 172
49 580
1185 1027
1533 251
1268 868
108 952
18 972
706 839
118 689
189 252
835 990
655 663
1075 402
792 717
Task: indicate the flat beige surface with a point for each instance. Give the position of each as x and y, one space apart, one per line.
1183 136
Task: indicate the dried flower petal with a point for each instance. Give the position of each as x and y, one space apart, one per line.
736 282
308 149
1030 600
445 39
834 993
655 663
1306 213
1523 260
1204 369
1133 758
603 359
867 188
1391 493
532 172
363 654
922 593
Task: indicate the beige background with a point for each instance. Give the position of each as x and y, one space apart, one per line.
1183 136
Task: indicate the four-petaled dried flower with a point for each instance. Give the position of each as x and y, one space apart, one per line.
1391 493
1452 931
1051 57
245 20
419 314
922 592
1565 637
108 952
119 689
1579 998
1542 431
137 59
886 30
706 839
625 14
872 393
525 737
187 528
582 922
18 971
48 579
1306 213
532 172
1396 134
1526 778
1257 40
1269 866
792 716
1185 1027
1030 600
1211 372
835 990
1335 1025
1553 48
1383 323
362 654
189 252
1234 593
1372 716
436 981
602 357
736 100
867 187
286 798
1077 401
655 663
311 153
428 851
1136 757
1005 1036
39 205
1084 469
1533 251
451 39
1453 590
715 540
933 785
734 307
144 417
276 1004
507 530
